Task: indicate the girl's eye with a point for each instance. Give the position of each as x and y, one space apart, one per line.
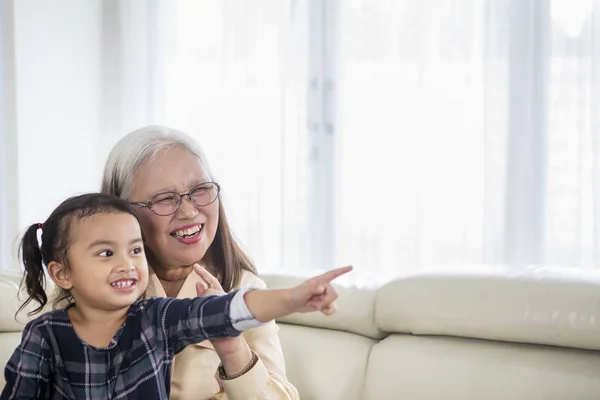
106 253
137 250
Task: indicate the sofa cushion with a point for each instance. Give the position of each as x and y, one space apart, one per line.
431 367
355 307
325 364
535 305
9 288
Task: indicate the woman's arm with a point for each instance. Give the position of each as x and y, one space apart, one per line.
235 355
252 365
266 379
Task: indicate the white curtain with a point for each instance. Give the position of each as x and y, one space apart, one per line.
387 134
236 76
75 76
464 131
572 214
482 144
423 123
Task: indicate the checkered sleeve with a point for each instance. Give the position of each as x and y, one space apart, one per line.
186 321
27 372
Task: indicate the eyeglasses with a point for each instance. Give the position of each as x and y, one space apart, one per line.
168 203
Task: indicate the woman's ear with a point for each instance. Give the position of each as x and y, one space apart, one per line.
60 275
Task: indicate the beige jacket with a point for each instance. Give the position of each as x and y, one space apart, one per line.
195 368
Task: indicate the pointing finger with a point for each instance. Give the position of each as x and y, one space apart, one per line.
334 273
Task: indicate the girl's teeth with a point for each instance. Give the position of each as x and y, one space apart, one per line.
122 284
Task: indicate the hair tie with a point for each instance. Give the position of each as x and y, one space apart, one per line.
40 225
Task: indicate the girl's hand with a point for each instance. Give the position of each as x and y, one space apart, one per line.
317 294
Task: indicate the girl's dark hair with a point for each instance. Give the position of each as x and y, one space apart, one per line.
56 240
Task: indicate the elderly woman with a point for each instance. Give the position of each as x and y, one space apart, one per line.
165 174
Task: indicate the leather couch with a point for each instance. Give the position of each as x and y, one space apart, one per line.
477 332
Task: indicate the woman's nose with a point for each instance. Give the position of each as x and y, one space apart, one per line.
187 210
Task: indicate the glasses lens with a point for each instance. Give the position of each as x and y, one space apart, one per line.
204 194
165 203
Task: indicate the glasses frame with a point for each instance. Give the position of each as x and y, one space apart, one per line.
150 203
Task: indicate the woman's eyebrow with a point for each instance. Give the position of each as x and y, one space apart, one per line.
199 182
195 182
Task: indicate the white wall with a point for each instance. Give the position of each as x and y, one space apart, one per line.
8 159
58 86
85 73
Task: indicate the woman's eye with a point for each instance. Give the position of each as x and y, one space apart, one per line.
165 200
137 250
106 253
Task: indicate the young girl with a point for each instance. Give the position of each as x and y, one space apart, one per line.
109 343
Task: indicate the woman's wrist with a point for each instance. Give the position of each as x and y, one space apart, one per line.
224 375
235 360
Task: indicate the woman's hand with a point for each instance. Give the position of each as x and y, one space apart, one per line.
234 352
208 285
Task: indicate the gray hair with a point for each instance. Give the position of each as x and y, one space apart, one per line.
138 146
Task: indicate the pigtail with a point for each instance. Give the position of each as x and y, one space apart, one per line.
34 278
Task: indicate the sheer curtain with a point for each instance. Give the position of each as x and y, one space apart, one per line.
573 193
236 78
469 133
74 77
388 134
463 132
423 114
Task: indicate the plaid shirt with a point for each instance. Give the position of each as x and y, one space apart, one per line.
53 363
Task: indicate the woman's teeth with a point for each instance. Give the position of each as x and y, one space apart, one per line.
123 284
186 233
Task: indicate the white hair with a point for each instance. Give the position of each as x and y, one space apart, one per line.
138 146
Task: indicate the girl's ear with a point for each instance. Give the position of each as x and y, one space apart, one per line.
60 275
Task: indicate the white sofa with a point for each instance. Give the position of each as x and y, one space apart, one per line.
474 333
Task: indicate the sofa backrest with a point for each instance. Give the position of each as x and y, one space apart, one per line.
460 333
469 333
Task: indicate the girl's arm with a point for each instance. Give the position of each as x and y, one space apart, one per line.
187 321
315 294
27 373
182 322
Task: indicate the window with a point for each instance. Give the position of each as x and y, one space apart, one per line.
236 79
396 134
